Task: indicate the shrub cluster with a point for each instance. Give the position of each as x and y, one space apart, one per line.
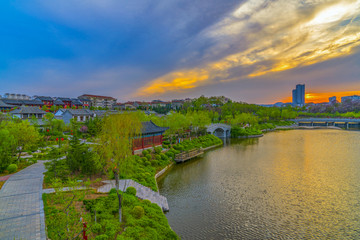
141 219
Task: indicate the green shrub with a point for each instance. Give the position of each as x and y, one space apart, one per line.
102 237
144 159
96 228
12 168
131 191
148 156
158 157
157 150
112 191
138 212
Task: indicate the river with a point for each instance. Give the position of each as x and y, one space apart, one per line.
298 184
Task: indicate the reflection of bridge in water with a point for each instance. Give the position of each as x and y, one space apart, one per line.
219 129
337 122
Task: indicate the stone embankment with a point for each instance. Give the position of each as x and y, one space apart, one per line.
142 192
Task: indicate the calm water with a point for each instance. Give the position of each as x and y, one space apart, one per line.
299 184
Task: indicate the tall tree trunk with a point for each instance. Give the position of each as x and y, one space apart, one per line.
116 174
20 151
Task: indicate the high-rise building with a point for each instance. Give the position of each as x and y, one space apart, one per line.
298 95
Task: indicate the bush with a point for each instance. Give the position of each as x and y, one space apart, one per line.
148 156
158 157
102 237
144 159
157 150
96 228
131 191
12 168
113 191
138 212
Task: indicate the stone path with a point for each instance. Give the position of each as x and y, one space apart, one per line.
142 192
21 205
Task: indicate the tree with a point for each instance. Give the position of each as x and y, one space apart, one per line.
24 134
115 144
7 150
80 158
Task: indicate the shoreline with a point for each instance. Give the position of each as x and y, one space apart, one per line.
306 127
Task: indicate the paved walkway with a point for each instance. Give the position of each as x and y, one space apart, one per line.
142 192
21 206
4 178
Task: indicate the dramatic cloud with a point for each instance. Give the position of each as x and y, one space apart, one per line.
252 50
268 37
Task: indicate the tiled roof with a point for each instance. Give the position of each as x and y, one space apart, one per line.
28 110
64 99
59 102
76 101
150 127
22 102
96 96
45 98
2 104
82 112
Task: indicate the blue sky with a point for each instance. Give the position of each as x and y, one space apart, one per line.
253 51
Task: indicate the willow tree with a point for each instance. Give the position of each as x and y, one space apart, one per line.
116 144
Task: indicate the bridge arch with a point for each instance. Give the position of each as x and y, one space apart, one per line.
220 130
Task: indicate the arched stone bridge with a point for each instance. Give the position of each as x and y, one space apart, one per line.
219 129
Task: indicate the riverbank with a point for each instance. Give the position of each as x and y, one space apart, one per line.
306 127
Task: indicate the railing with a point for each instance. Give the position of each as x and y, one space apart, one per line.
182 157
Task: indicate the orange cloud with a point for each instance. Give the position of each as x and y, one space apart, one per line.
286 40
323 97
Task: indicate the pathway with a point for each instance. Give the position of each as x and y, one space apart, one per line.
142 192
21 206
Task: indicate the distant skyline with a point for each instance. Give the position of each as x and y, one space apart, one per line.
252 51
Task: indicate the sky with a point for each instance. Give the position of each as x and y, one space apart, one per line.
252 51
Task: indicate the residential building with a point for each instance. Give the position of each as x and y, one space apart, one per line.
353 98
16 96
47 101
18 102
99 101
332 100
298 95
75 102
28 112
177 104
67 102
5 107
151 136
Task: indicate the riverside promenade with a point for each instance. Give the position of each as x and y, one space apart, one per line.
21 205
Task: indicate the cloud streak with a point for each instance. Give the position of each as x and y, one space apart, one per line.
264 37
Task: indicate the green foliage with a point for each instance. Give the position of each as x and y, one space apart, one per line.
138 212
238 131
131 191
80 158
7 148
148 156
158 149
141 219
196 143
61 215
12 168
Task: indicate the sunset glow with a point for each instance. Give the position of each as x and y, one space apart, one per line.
296 41
323 97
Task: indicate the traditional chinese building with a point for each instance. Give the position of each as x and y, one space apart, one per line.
47 101
151 136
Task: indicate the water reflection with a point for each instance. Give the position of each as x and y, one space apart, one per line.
301 184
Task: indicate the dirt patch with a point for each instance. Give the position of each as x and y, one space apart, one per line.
1 184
